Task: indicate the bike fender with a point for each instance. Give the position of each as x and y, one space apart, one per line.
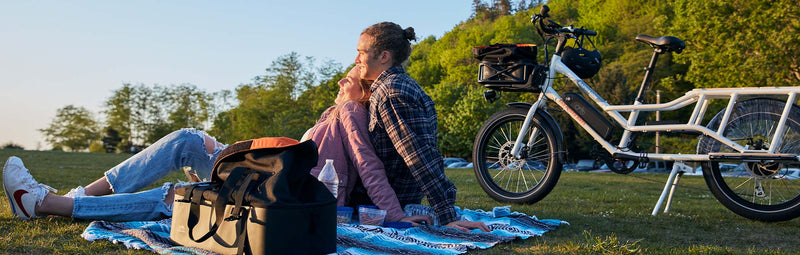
549 120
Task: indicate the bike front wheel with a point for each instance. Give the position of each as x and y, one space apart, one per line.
506 178
764 191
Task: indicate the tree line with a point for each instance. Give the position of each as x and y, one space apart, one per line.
729 44
136 116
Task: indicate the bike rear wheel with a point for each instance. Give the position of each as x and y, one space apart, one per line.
506 178
764 191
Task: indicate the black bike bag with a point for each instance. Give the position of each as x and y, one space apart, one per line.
510 67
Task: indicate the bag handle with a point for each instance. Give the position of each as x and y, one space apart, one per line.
219 204
195 193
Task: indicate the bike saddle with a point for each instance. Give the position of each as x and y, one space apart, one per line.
667 43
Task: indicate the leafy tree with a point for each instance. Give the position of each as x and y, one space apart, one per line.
221 101
136 110
111 140
119 114
502 7
223 129
190 106
479 6
750 43
274 103
143 114
73 128
150 113
527 5
317 99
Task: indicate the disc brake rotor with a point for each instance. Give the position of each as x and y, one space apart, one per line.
507 160
763 170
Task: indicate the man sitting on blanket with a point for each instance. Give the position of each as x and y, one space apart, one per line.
403 124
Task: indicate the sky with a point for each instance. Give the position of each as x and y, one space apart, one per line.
59 53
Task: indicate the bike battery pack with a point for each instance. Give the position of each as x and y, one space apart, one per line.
589 114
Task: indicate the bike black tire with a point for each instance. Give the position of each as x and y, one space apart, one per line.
487 149
773 197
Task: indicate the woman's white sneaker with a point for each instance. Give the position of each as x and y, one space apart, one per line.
24 193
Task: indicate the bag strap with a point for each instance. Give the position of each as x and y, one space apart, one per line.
219 205
241 193
242 239
195 194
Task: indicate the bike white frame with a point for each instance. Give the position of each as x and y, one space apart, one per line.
699 97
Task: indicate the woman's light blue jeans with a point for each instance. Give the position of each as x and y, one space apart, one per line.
185 147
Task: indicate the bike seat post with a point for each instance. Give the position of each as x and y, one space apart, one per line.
648 74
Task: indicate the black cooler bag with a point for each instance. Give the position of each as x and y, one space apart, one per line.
261 200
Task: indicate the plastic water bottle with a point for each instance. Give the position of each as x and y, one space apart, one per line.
329 177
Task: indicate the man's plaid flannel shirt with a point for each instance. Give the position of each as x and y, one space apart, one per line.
402 128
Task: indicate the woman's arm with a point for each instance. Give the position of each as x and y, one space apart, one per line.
370 169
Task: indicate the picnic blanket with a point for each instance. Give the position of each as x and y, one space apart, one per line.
353 238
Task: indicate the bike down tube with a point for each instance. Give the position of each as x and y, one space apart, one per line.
556 66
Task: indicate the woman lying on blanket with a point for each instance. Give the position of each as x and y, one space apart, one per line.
340 133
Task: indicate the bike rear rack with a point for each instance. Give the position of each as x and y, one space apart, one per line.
753 156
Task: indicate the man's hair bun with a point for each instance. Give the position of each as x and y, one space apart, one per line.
409 34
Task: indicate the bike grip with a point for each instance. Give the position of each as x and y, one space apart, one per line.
544 11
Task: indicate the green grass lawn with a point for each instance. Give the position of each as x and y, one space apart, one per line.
608 214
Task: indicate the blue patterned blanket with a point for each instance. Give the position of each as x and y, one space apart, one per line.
355 239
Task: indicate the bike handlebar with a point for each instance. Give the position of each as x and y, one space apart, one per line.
577 31
552 28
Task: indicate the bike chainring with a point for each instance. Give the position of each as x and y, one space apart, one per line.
620 166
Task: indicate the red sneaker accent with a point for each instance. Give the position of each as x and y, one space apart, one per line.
18 198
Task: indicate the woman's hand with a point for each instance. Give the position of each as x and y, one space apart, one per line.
466 226
417 220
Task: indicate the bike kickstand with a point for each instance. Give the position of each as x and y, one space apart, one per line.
669 186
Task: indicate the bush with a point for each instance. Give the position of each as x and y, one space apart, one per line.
97 147
11 145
